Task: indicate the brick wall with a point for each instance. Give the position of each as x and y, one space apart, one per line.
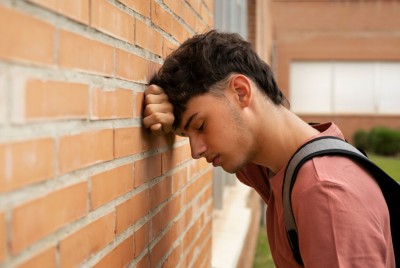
81 183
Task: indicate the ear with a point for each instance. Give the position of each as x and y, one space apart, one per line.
242 88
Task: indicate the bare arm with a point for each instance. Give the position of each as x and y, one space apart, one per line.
158 113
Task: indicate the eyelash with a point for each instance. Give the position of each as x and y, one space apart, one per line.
201 128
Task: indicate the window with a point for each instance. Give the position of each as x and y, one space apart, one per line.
345 87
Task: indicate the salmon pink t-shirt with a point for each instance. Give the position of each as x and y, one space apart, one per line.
341 215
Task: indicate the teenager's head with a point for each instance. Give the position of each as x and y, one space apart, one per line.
206 59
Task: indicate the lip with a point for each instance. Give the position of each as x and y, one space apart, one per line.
215 160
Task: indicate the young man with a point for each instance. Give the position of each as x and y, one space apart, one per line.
216 91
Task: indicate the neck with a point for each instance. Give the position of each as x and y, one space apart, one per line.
280 134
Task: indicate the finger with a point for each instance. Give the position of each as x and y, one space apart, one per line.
155 118
155 99
154 89
158 108
164 119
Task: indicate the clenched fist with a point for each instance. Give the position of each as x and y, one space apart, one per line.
158 111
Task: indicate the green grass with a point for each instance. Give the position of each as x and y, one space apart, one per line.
263 258
391 165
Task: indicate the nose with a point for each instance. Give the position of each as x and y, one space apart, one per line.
197 147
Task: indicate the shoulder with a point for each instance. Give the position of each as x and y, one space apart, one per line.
334 176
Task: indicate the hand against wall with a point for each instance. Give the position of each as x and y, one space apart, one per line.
158 111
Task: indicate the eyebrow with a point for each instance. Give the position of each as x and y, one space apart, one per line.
187 125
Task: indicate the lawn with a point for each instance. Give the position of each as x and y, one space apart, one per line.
263 258
389 164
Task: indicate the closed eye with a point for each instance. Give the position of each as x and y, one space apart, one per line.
201 127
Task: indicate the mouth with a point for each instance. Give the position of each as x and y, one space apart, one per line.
214 160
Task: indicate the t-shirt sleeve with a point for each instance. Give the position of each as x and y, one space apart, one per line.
338 229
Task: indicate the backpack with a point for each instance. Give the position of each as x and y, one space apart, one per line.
328 145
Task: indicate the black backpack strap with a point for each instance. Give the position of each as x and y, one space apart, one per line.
334 146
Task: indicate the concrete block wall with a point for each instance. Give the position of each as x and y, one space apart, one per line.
82 184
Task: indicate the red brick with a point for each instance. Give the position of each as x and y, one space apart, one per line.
161 18
189 16
179 180
180 33
110 184
86 241
139 99
45 259
164 216
190 235
131 67
27 162
53 99
3 98
174 257
207 17
25 38
175 157
207 195
142 7
168 47
210 5
78 52
153 68
147 169
3 237
111 20
130 141
196 186
77 10
175 6
40 217
112 104
144 262
141 239
132 210
148 38
85 149
160 192
204 252
162 247
198 165
119 256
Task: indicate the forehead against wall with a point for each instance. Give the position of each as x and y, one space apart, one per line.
81 182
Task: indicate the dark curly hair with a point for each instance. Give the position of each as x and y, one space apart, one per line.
206 59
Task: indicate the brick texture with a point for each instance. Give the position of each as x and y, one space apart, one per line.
81 150
45 259
86 241
84 54
82 183
18 29
76 10
110 184
46 100
23 163
112 104
58 208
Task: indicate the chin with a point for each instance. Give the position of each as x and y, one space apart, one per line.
232 169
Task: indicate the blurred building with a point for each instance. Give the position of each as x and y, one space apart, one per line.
334 60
